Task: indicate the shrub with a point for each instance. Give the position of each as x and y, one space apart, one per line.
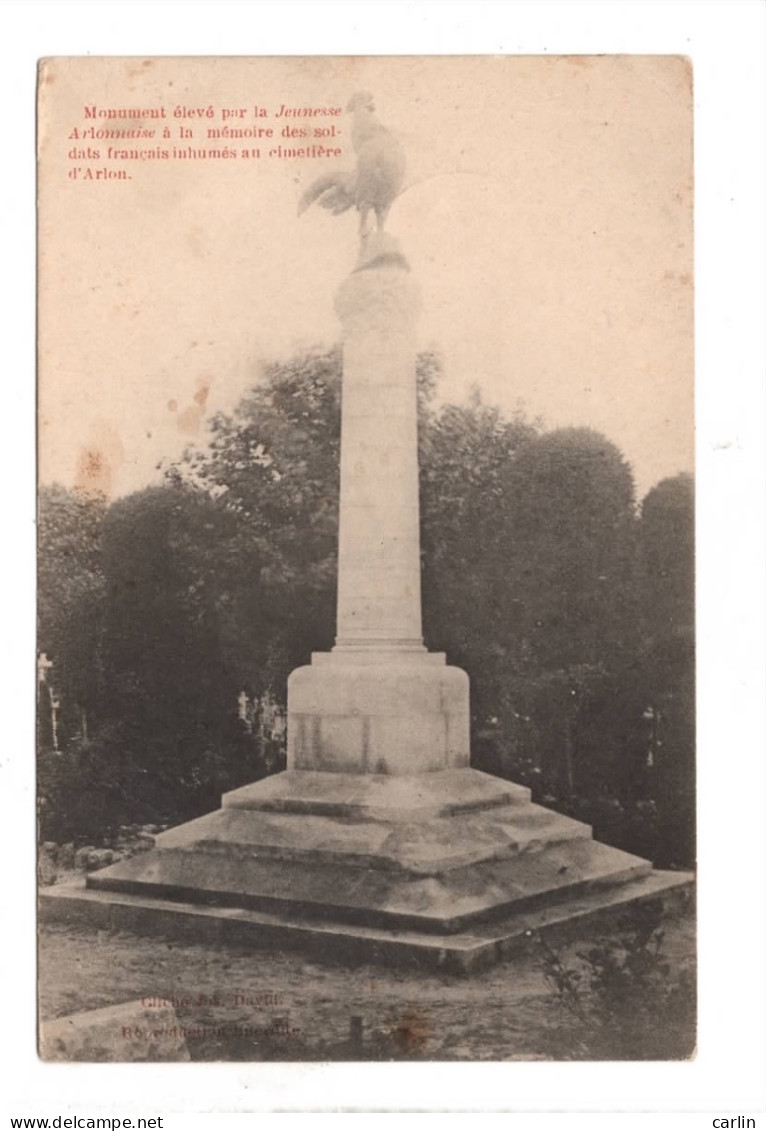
620 999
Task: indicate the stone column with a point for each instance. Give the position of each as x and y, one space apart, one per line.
379 535
379 703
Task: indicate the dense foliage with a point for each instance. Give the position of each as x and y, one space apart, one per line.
570 608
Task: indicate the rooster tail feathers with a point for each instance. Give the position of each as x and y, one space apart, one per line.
315 190
334 191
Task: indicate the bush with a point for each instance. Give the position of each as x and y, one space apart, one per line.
619 999
86 792
81 794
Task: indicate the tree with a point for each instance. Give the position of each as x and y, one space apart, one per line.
71 607
562 619
573 521
667 659
172 688
70 604
272 466
467 544
666 557
165 740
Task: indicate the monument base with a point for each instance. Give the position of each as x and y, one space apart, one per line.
451 868
371 711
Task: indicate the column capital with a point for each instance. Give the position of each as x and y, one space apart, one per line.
379 297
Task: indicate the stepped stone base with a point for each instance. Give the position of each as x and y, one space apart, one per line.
452 868
331 941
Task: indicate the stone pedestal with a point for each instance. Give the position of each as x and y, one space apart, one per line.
379 842
378 714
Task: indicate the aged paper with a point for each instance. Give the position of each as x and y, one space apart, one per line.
547 216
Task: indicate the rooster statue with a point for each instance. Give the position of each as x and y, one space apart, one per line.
375 183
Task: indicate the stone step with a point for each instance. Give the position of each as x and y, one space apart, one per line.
460 953
373 797
443 903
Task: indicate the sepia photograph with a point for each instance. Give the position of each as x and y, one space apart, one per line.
366 569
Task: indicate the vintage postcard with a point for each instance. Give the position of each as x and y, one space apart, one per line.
366 559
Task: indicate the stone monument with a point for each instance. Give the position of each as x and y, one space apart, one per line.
379 702
378 840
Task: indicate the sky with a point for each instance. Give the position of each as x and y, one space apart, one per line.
547 217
